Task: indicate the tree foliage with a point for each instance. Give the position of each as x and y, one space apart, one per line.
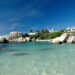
55 34
45 34
25 35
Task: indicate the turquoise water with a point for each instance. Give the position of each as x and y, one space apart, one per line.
37 58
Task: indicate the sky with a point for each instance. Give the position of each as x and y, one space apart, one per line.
23 15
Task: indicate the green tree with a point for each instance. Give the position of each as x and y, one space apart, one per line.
55 34
25 35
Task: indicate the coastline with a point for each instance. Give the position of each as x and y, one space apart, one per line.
55 37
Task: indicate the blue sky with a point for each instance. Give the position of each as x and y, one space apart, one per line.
23 15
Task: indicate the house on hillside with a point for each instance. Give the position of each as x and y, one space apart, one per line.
70 29
52 30
32 33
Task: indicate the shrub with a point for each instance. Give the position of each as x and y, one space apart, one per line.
55 34
25 35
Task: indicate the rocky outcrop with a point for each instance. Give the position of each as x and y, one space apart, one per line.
71 39
20 39
62 39
56 40
33 39
15 35
27 39
3 40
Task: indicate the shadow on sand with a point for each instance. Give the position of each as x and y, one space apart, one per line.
20 54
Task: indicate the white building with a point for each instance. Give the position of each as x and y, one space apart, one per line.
52 30
70 29
32 33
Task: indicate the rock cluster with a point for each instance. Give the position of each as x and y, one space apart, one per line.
64 38
18 37
3 40
71 39
14 37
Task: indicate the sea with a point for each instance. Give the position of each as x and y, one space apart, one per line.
37 58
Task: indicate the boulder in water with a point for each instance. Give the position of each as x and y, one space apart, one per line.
61 39
3 40
56 41
71 39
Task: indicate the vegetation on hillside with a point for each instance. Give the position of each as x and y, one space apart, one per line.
45 34
55 34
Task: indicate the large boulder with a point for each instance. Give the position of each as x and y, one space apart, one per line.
21 39
62 39
56 40
33 39
3 40
27 39
14 35
71 39
17 40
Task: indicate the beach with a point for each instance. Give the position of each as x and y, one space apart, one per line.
37 58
